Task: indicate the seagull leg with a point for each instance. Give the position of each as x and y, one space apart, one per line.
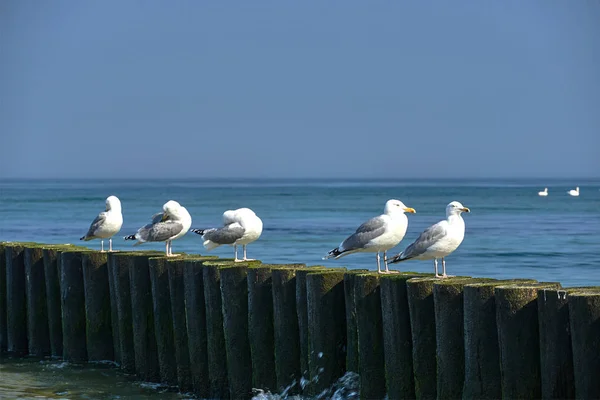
167 248
444 269
246 258
235 252
110 244
101 245
435 267
378 264
171 249
387 270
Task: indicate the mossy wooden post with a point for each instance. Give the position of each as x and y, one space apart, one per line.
422 325
584 316
163 320
371 364
196 325
449 328
72 298
16 301
397 337
285 325
142 318
260 328
302 313
556 355
518 339
215 338
234 297
182 352
482 355
351 334
52 263
37 311
3 333
97 307
114 309
326 328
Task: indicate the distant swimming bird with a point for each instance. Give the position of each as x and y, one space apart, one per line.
439 240
107 224
240 227
574 192
377 234
171 224
543 192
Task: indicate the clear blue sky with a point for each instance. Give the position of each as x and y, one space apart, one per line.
300 89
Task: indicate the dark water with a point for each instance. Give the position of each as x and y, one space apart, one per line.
510 233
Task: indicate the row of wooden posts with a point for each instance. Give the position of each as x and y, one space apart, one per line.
219 328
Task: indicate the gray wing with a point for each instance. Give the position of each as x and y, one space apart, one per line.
425 240
96 223
156 218
364 234
159 232
225 235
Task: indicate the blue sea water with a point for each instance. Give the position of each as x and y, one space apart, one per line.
511 232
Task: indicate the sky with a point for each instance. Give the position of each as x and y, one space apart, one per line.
283 89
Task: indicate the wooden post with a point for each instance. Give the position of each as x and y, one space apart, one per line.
72 298
97 307
519 340
37 311
351 334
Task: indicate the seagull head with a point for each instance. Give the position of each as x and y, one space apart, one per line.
455 208
113 203
393 206
171 209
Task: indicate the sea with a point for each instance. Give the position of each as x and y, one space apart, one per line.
511 232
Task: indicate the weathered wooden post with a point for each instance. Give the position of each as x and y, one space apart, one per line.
260 328
449 329
114 309
519 340
482 355
163 320
16 301
215 338
3 333
422 324
326 328
234 297
177 293
584 315
142 318
371 364
556 355
37 311
397 338
351 329
97 307
72 298
195 310
285 325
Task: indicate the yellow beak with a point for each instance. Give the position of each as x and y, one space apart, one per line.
164 217
465 209
410 210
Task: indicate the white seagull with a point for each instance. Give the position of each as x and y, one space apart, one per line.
543 192
171 224
240 227
377 234
107 224
574 192
439 240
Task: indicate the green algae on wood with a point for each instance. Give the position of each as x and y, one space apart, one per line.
97 307
584 316
482 356
556 355
518 338
285 326
397 337
369 324
326 313
351 334
37 309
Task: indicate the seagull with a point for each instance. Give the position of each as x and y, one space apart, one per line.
574 192
439 240
377 234
171 224
240 227
107 224
543 192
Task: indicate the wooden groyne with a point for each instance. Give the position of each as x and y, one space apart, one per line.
222 329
